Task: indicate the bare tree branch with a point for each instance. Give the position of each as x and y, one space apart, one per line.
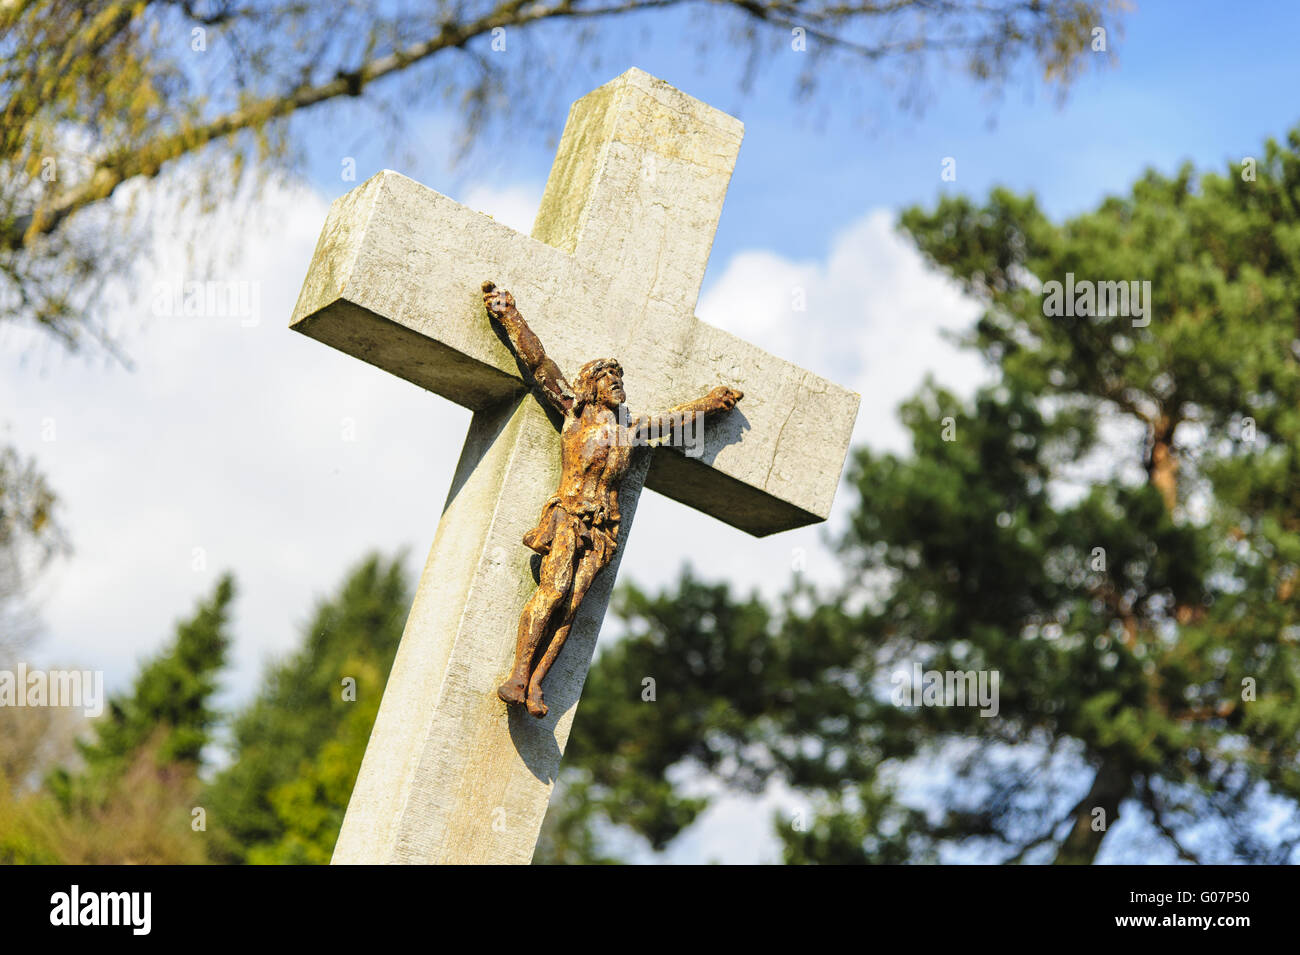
146 160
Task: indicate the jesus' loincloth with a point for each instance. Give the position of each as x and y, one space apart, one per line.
594 528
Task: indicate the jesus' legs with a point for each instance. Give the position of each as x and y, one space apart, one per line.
589 565
556 582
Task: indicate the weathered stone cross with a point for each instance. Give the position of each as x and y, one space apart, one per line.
612 269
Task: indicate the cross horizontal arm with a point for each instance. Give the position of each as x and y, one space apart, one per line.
773 463
396 281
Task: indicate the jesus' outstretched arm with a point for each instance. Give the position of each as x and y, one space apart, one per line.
667 425
527 347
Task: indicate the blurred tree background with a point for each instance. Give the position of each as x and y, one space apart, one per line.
297 747
128 797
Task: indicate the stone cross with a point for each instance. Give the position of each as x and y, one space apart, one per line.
613 268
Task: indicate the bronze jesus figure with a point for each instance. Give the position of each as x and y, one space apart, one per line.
577 533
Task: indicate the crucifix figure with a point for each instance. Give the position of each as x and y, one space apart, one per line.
577 535
613 267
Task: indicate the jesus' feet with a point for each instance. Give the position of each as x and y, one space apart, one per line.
536 703
512 691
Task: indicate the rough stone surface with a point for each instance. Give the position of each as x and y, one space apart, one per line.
613 269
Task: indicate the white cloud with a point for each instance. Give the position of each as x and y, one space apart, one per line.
514 206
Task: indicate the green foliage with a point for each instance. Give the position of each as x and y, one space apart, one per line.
30 537
858 827
1197 594
1114 527
26 505
130 796
297 747
168 709
310 807
739 693
141 817
24 828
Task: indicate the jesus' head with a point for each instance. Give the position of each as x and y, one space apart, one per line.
599 382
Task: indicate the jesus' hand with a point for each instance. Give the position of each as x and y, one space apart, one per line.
497 301
724 398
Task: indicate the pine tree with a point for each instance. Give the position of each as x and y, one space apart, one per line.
168 709
298 745
132 798
1165 590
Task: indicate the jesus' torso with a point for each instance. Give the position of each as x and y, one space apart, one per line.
594 457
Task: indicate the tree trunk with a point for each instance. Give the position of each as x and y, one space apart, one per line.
1110 787
1162 466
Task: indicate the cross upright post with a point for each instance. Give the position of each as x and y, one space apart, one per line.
613 268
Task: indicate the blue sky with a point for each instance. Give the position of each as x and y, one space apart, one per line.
225 437
1200 81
